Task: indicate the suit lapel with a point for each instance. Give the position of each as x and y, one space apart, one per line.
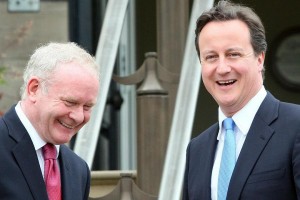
25 155
257 138
202 153
28 162
66 177
212 144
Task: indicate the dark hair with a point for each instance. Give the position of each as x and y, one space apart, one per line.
225 11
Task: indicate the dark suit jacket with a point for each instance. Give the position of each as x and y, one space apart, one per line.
20 173
268 167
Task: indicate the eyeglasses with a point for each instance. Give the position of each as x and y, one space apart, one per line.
230 58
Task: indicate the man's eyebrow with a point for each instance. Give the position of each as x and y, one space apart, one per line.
90 104
235 49
68 99
207 51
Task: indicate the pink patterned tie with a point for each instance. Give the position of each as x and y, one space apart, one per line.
51 173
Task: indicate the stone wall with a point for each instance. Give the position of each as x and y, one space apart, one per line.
20 34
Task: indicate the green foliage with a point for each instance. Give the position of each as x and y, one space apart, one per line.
2 70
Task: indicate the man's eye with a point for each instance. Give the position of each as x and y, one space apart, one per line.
70 103
234 55
211 58
87 107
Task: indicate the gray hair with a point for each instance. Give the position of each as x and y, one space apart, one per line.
45 59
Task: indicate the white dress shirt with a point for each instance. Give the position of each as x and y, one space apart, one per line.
37 141
243 120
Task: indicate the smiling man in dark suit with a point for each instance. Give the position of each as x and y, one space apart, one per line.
264 163
60 87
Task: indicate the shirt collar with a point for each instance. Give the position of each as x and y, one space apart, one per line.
243 118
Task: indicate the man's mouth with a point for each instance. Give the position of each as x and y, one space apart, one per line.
225 83
66 125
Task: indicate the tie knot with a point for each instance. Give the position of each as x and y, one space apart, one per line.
49 151
228 124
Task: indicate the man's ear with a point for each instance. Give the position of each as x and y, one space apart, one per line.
33 87
261 60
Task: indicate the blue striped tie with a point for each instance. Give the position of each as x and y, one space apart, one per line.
228 159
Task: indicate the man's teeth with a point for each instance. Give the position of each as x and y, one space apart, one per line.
66 125
229 82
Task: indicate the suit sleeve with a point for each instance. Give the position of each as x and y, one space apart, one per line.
296 164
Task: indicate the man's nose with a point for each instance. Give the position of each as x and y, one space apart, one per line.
77 114
223 66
